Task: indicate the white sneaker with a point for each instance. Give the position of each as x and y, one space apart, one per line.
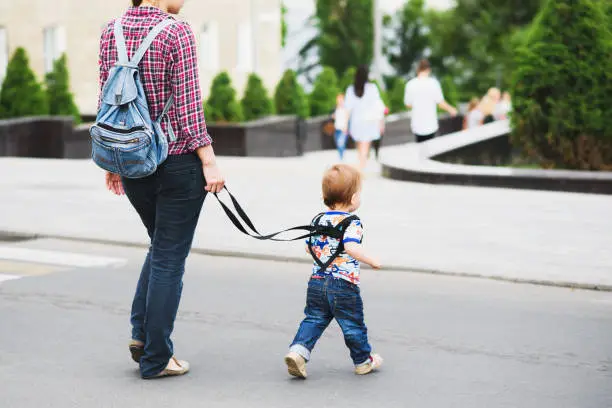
296 365
373 364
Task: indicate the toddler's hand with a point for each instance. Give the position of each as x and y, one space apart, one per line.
376 264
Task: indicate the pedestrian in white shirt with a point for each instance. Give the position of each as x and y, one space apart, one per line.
423 95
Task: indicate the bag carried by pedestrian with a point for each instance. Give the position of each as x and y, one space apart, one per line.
125 139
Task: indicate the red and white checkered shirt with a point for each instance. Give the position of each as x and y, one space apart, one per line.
169 67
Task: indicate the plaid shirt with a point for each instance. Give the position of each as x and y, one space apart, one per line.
168 67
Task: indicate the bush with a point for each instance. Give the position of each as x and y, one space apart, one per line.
323 96
347 79
449 89
21 94
222 105
396 95
562 88
289 97
61 100
256 103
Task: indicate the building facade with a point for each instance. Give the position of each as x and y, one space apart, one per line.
237 36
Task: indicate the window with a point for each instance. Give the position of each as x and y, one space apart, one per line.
209 46
4 56
54 45
245 48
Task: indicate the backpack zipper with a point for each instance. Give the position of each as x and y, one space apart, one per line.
108 139
123 131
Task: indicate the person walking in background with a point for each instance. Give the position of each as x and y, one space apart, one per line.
423 95
474 117
364 104
487 107
340 125
170 200
504 107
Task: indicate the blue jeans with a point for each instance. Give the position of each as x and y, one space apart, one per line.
340 137
169 204
330 298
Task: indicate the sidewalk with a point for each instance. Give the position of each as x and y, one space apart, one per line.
528 236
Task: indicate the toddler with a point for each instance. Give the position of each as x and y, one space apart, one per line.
333 292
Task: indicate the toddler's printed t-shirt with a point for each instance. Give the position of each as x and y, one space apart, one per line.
344 266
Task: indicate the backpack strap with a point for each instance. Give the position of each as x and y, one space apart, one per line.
146 43
120 42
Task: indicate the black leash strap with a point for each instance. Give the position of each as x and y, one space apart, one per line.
312 230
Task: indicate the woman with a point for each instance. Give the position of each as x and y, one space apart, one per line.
169 201
365 109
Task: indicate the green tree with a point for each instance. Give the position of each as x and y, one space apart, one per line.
289 97
21 94
323 96
396 95
409 39
256 103
222 105
61 100
562 89
473 41
348 78
345 35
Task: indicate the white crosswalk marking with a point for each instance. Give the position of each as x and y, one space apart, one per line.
56 257
4 278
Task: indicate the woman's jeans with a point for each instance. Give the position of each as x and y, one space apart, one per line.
169 204
329 298
340 137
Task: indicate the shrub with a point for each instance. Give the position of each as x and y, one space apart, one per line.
562 88
289 97
323 96
222 105
61 100
21 94
449 89
396 95
256 103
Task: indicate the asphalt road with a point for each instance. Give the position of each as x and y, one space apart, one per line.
447 342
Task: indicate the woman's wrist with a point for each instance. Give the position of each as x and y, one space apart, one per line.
206 155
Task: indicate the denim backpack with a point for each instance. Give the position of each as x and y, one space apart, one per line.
125 140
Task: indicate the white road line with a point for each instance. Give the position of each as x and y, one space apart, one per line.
4 278
57 257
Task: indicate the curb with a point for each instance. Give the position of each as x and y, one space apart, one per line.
292 259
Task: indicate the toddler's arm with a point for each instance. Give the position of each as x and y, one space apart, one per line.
356 251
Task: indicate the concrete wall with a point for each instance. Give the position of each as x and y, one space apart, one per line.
81 22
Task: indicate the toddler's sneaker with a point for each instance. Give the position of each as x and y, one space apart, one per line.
296 365
372 364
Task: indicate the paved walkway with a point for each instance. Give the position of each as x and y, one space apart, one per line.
530 236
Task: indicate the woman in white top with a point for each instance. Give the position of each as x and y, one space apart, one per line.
366 110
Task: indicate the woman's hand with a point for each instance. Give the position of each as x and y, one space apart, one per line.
214 179
114 184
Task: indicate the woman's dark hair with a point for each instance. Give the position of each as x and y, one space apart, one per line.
361 79
136 3
424 65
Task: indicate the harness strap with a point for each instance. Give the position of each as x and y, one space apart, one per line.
341 229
